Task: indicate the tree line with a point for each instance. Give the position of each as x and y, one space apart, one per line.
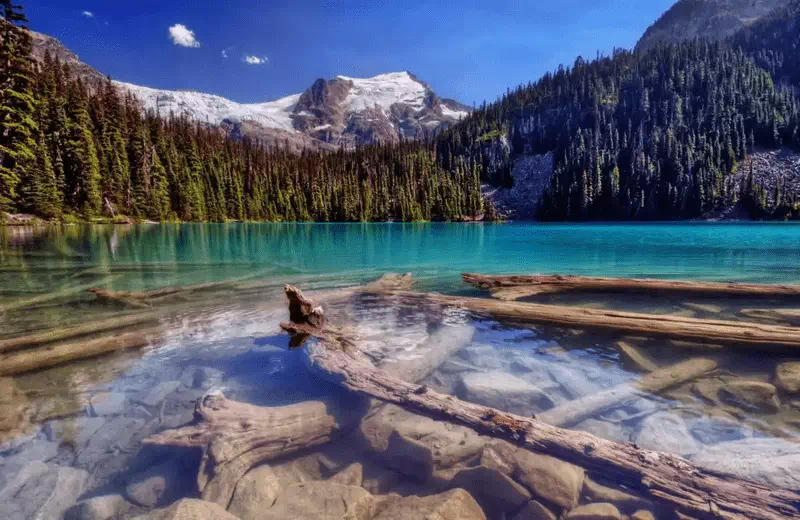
658 135
72 152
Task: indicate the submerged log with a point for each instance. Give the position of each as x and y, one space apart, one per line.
631 323
784 315
19 362
573 412
664 478
236 437
538 284
63 334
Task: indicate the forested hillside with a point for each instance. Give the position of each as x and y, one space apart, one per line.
68 153
657 135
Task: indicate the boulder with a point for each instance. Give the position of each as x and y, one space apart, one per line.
787 377
158 485
596 511
494 490
483 356
534 510
643 514
456 504
604 429
189 509
117 433
254 493
503 391
40 490
666 432
97 508
756 396
301 469
548 478
154 397
623 500
321 500
447 445
770 461
74 432
107 403
352 475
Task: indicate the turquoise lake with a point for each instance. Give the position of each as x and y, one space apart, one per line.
92 415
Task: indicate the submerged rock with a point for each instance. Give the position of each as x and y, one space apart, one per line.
107 403
321 500
716 429
254 493
203 378
40 490
643 515
622 500
604 430
456 504
157 394
667 432
189 509
548 478
74 432
494 490
770 461
352 475
598 511
504 391
755 396
158 485
787 377
97 508
534 510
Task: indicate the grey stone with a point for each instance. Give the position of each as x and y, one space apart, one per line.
787 377
322 500
203 378
410 457
41 490
534 510
157 394
107 403
483 356
504 391
666 432
97 508
352 475
713 430
770 461
118 433
604 430
75 432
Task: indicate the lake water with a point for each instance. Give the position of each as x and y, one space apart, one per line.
91 416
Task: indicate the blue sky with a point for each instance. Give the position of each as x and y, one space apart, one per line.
468 50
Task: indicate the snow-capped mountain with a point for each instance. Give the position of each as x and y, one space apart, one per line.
343 111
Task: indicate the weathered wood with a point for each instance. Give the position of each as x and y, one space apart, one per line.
573 412
784 315
19 362
664 478
63 334
558 283
48 297
634 357
236 437
675 327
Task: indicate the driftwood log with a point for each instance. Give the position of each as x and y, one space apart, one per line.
573 412
530 285
235 437
759 335
666 479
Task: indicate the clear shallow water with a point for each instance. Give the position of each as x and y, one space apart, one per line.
233 334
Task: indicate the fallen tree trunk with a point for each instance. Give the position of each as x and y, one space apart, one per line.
19 362
786 315
674 327
573 412
557 283
664 478
56 335
236 437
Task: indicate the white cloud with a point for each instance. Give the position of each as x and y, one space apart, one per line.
181 35
224 53
88 14
255 60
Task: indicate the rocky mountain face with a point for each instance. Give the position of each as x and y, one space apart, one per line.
341 112
711 19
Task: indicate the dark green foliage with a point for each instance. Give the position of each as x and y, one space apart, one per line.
18 130
636 136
